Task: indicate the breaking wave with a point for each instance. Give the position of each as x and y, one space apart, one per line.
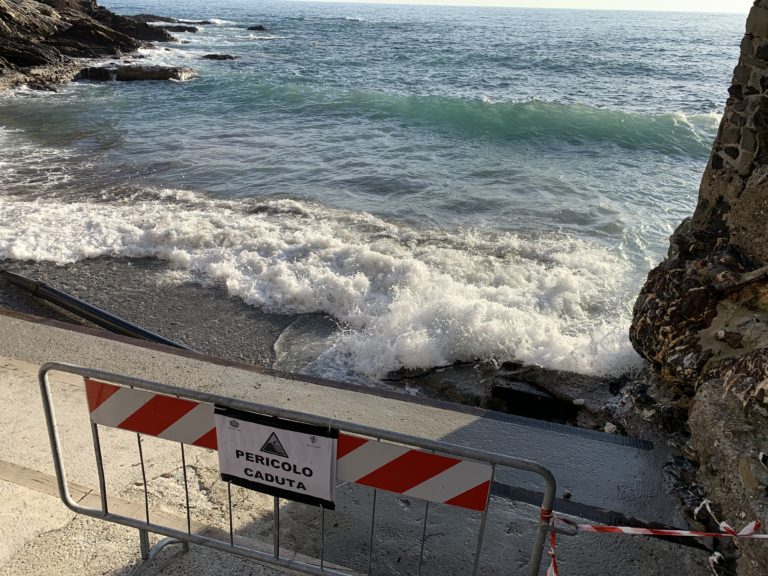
533 120
404 297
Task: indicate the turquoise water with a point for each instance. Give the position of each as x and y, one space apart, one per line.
448 183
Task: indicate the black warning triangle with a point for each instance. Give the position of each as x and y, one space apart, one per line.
273 446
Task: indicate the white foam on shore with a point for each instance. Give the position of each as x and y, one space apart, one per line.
407 298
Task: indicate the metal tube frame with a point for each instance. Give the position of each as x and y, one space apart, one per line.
273 558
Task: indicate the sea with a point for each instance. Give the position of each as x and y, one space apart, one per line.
447 184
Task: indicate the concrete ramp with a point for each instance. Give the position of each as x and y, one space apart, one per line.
601 471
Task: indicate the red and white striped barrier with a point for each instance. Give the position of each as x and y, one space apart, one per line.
414 473
380 465
152 414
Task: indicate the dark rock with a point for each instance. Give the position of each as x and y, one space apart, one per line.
761 126
524 399
511 365
717 162
132 73
42 87
257 28
734 339
23 54
762 52
128 26
738 119
97 74
80 5
736 91
461 383
220 57
741 74
87 38
135 73
179 28
747 45
732 151
134 29
749 141
38 37
146 18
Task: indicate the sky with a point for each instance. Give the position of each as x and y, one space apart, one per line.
737 6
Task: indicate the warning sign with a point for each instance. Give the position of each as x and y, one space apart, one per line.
273 446
288 459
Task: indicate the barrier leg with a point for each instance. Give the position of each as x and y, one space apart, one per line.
144 544
534 565
155 551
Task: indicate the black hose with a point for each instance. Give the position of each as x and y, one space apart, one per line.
87 311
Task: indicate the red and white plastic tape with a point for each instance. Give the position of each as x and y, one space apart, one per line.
749 532
380 465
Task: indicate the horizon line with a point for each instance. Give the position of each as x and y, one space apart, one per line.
481 4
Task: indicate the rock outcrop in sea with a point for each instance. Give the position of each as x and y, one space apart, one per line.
702 316
135 73
39 38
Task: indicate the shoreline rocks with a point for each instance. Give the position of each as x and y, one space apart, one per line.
179 28
134 73
39 39
147 18
219 57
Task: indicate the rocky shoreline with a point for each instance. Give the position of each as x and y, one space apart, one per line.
701 320
42 40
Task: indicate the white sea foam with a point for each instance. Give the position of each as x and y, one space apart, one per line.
407 298
701 124
169 56
261 37
28 167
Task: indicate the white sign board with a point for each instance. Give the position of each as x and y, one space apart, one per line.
287 459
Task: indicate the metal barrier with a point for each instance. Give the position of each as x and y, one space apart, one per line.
227 542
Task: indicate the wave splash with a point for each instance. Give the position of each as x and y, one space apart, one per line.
406 298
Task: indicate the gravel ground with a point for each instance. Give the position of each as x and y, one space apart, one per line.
204 317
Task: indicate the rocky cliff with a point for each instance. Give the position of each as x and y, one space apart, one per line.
702 316
38 38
